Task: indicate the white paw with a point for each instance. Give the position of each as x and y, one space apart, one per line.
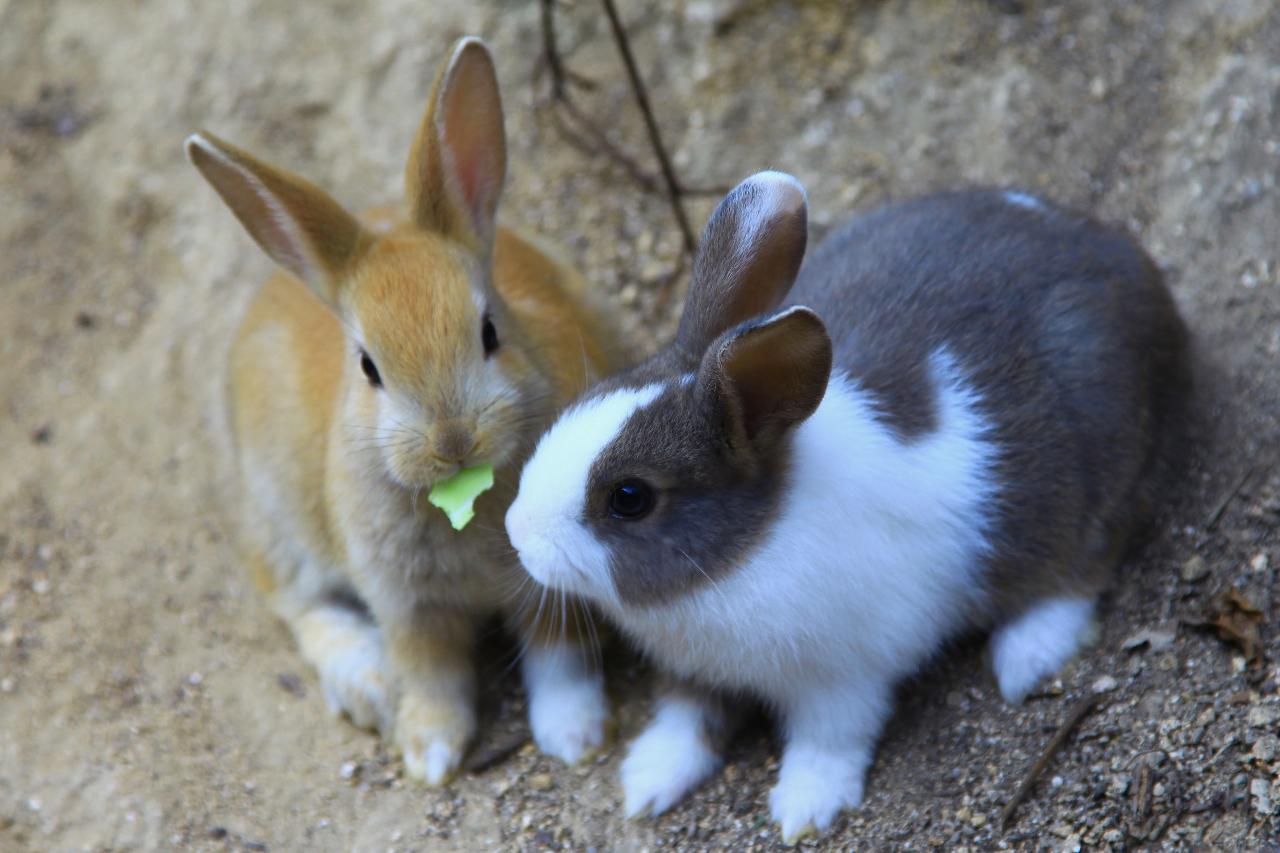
432 733
813 786
1036 644
568 711
355 682
434 763
667 761
568 720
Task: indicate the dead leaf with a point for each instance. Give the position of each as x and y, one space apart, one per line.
1237 620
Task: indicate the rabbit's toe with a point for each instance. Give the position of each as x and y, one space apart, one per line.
665 763
355 682
432 734
1036 644
813 786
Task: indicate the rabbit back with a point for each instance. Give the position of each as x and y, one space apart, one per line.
1064 330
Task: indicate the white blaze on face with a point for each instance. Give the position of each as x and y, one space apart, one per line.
545 522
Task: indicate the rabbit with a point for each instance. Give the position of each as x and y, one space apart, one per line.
955 425
384 357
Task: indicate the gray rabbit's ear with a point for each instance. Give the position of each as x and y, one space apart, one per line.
751 251
764 378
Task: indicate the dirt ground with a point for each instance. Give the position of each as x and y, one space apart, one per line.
148 700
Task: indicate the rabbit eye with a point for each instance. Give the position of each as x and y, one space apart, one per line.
631 500
370 370
489 336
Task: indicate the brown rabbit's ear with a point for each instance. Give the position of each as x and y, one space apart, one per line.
459 158
751 251
295 222
766 377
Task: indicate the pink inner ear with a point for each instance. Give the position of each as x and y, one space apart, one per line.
471 181
470 127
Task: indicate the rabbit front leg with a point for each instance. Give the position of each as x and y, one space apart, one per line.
679 749
430 651
568 710
831 734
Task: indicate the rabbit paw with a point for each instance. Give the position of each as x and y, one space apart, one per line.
567 706
666 762
354 681
1036 644
568 719
813 786
432 735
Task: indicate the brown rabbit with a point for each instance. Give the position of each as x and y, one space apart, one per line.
389 355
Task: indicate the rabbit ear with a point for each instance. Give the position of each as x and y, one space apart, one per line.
298 224
766 377
459 158
751 251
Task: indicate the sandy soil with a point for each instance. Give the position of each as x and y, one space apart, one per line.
147 699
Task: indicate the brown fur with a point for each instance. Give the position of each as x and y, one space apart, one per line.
335 470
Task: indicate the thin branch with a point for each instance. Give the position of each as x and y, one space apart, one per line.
563 78
1214 517
655 137
1074 716
485 759
550 52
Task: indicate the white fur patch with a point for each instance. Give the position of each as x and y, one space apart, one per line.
870 564
1036 644
567 706
1026 200
355 677
545 520
813 786
669 759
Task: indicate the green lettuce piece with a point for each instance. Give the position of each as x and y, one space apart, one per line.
457 495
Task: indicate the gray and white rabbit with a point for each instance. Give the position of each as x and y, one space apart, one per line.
961 430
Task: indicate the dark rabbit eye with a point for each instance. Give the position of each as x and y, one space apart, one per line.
489 336
630 500
370 370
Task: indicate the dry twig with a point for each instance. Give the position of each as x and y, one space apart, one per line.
655 137
1216 516
486 758
584 134
1077 713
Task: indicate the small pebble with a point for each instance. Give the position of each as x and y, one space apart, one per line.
1105 684
1265 749
1195 569
1261 791
1260 562
541 782
347 770
1263 716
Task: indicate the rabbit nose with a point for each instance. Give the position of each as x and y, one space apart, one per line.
454 443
